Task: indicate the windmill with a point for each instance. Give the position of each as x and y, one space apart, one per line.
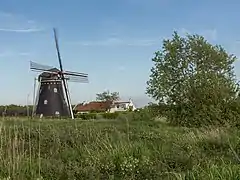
52 97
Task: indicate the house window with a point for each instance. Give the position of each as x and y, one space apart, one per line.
123 105
57 113
55 90
45 102
117 106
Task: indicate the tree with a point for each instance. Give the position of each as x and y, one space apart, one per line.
193 77
107 96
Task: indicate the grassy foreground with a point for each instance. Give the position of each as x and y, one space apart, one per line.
120 149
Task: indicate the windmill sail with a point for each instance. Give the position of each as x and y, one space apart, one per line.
62 75
79 79
40 67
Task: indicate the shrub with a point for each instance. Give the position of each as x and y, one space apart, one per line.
157 110
110 115
141 115
87 116
196 79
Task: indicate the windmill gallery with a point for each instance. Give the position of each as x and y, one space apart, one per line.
52 96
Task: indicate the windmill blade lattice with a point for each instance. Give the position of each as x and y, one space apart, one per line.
39 67
79 79
76 73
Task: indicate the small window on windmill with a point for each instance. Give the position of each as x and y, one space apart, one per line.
49 87
55 90
45 102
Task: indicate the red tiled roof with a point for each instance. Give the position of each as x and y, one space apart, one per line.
94 106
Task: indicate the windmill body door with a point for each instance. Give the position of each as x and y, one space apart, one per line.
51 100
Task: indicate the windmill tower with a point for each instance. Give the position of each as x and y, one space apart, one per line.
52 97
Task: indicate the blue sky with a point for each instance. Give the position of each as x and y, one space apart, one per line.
112 40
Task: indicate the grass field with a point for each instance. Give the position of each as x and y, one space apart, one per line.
115 149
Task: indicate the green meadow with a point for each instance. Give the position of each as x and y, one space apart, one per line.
116 149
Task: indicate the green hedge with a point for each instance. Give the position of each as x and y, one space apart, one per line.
142 115
110 115
89 116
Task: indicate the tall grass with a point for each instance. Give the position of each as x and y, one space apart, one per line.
119 149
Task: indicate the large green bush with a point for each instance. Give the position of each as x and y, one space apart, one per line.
196 80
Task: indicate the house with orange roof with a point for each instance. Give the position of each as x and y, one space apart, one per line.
105 106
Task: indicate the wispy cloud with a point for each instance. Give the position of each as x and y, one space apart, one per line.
120 42
25 54
210 34
29 30
144 42
121 68
11 54
148 4
106 42
15 23
5 14
3 54
234 48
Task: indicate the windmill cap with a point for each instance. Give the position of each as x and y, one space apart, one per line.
49 75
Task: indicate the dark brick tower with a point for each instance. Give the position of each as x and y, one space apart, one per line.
51 100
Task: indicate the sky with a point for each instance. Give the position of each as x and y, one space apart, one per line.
111 40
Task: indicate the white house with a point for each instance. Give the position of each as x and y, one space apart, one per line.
105 106
122 106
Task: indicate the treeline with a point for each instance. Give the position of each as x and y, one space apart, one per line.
16 110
